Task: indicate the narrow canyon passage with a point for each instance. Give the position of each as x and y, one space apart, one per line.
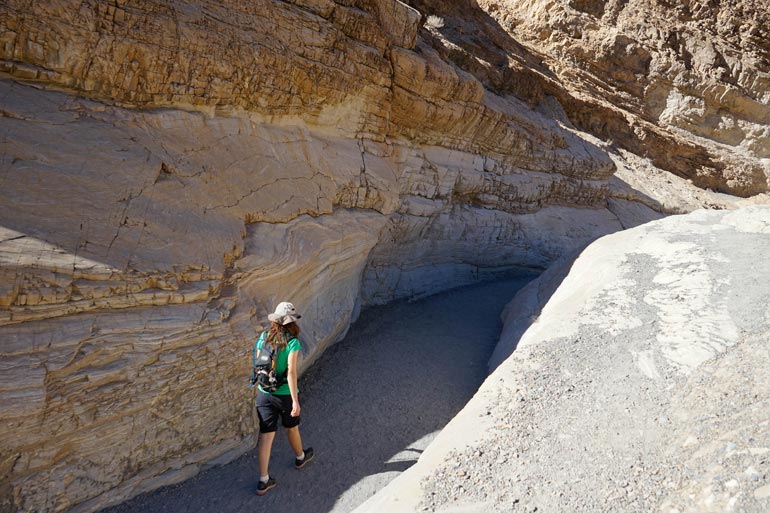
370 405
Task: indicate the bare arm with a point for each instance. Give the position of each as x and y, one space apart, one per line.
292 378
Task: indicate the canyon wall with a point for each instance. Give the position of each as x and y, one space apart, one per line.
683 84
169 171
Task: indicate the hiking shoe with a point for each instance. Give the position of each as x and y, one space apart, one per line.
262 488
304 461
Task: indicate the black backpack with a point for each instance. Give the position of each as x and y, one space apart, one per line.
263 372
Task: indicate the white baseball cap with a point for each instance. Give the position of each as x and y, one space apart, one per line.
284 314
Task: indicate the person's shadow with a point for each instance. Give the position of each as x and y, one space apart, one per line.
370 405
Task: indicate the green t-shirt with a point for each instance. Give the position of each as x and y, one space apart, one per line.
282 364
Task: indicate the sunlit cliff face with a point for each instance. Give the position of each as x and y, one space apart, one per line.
683 84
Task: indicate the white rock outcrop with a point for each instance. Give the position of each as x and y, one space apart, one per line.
641 385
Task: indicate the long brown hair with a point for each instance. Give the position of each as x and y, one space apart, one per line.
279 336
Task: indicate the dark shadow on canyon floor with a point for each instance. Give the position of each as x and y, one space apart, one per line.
370 404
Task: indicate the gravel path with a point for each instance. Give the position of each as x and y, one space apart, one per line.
370 405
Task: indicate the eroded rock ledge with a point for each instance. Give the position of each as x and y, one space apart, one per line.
642 385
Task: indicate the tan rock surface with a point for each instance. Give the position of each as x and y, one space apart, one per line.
141 249
684 84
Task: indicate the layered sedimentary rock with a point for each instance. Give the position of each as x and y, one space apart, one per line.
171 170
640 383
201 162
683 84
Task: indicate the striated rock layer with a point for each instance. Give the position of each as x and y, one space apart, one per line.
641 384
682 84
308 152
171 170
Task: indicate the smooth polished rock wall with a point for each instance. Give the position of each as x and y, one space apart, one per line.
141 251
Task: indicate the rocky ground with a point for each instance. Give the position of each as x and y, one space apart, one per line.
642 386
370 405
557 447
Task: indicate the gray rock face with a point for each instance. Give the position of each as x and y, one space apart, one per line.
642 385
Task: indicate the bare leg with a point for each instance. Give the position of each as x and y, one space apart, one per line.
295 440
263 451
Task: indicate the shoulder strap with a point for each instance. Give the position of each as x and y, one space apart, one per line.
256 343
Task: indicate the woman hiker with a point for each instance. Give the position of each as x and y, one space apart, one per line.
283 402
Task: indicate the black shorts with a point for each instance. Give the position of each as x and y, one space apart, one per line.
270 407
